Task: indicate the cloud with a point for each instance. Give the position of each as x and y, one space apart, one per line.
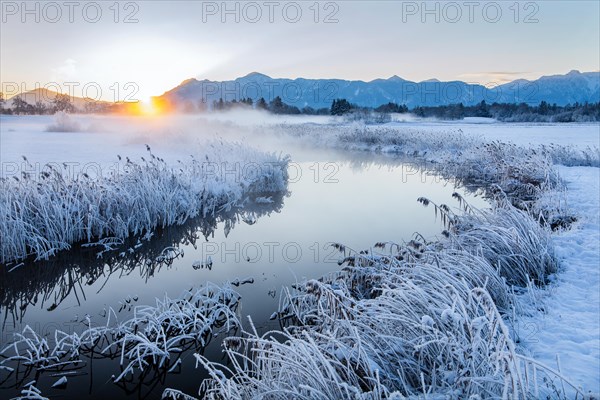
492 78
66 72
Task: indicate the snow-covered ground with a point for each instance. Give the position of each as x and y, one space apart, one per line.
570 326
581 135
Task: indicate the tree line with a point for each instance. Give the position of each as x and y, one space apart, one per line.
508 112
275 106
513 112
62 102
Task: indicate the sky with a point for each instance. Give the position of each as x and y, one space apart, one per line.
132 50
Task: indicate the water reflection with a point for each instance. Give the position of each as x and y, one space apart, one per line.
48 283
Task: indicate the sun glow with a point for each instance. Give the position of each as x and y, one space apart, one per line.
149 107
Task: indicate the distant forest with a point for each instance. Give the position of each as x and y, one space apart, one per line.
506 112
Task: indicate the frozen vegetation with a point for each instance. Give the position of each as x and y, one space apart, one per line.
23 285
433 319
524 174
414 319
153 338
41 215
437 143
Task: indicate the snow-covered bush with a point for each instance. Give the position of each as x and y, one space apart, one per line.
63 122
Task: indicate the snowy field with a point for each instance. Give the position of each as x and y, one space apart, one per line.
554 319
581 135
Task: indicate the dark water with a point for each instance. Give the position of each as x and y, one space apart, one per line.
352 198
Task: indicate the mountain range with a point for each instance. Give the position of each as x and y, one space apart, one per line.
565 89
194 95
46 97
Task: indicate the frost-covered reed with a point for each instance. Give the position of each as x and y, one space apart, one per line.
30 392
431 144
422 319
414 320
152 338
40 216
417 319
511 240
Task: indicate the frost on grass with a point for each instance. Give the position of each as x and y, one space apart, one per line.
514 243
55 280
152 338
423 318
435 145
414 319
41 215
30 392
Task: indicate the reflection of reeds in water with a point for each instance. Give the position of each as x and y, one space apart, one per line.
50 282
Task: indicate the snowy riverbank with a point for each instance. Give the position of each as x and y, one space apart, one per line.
570 326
